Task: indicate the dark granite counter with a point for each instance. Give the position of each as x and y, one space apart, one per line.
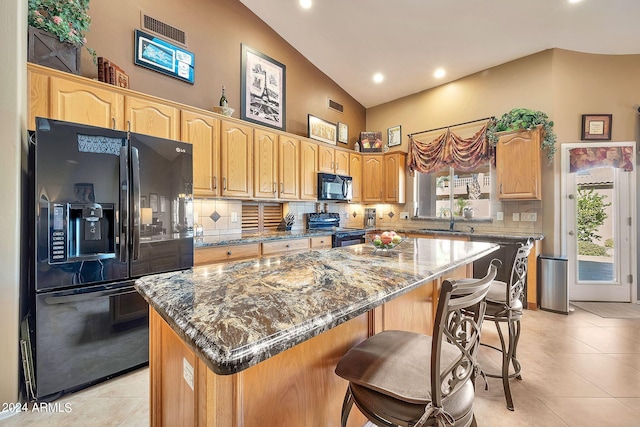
238 314
240 238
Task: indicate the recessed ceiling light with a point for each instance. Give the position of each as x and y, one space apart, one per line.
439 73
378 77
575 1
305 4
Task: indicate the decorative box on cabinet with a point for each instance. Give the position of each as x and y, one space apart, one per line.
518 166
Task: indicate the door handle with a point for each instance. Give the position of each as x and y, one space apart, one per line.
571 233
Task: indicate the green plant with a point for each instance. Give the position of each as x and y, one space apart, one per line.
460 205
67 19
608 243
591 249
526 119
591 214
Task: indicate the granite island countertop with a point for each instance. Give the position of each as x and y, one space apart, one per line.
237 314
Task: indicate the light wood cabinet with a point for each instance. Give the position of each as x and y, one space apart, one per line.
289 168
151 118
333 161
320 242
281 247
85 103
38 87
372 179
355 170
518 166
236 148
215 254
394 178
203 132
265 165
308 170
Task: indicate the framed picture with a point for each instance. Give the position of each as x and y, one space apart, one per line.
143 202
84 192
156 54
394 135
343 133
263 91
321 130
596 127
153 202
371 141
163 204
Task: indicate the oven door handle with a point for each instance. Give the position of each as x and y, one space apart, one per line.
65 297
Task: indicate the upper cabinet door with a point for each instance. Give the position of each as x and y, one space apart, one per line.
394 185
355 169
265 165
86 104
236 159
326 159
289 168
151 118
342 163
203 132
518 166
372 179
308 170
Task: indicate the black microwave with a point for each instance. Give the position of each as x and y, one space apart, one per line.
334 187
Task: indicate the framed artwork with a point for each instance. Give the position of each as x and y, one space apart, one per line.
153 202
371 141
394 135
321 130
263 91
158 55
343 133
163 204
596 127
143 202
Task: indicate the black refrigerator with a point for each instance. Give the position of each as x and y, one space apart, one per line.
107 207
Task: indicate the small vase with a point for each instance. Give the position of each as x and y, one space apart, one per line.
46 49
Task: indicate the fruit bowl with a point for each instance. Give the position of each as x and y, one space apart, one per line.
386 241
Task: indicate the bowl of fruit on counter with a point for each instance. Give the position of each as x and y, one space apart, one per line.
386 241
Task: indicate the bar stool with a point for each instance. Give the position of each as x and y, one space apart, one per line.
400 378
504 305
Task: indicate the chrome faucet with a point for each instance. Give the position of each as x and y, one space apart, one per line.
451 220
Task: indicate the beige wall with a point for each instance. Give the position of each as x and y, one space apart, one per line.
561 83
215 31
12 120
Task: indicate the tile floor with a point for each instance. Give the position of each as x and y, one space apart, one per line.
578 370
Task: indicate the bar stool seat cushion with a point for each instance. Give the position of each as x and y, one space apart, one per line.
390 372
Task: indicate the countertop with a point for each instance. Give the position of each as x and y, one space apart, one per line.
241 238
237 314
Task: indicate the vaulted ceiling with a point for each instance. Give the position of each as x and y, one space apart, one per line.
407 40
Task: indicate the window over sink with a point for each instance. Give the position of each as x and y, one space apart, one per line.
452 191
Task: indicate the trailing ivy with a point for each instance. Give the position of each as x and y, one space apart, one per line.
525 119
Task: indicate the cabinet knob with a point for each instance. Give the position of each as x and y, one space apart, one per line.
224 183
229 253
321 241
287 246
215 183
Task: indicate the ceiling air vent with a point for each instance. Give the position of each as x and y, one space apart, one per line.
335 106
162 29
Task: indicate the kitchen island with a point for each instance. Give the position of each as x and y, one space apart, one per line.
256 342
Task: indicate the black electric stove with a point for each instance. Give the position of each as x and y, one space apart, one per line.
342 236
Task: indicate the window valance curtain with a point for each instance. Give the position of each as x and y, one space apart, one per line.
596 157
449 150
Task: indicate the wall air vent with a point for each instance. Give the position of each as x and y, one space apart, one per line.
336 106
162 29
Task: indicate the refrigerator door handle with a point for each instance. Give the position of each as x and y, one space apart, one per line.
123 229
135 172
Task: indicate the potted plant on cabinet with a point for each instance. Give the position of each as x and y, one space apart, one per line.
527 120
57 32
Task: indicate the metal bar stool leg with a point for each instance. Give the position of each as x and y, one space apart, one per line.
346 407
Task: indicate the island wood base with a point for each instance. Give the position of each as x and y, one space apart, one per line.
297 387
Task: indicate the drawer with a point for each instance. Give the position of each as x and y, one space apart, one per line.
320 242
215 254
284 246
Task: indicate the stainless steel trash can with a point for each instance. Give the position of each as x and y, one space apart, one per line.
552 283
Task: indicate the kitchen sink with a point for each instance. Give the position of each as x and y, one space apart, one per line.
439 230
